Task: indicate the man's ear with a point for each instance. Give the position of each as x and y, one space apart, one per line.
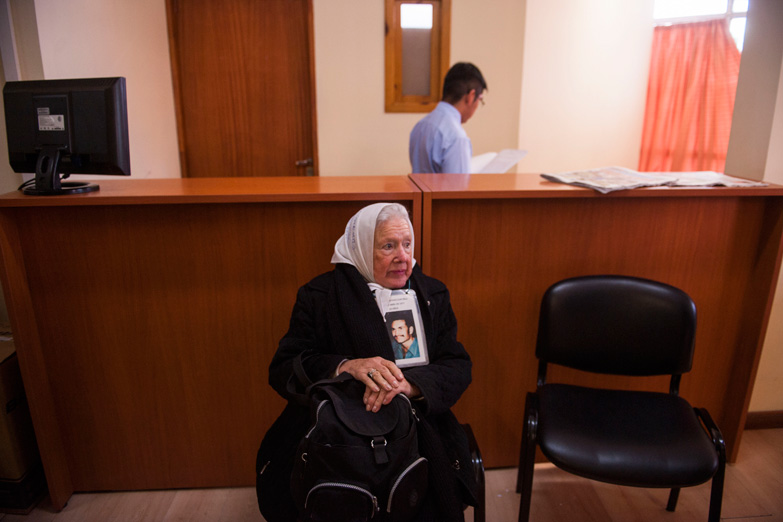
410 330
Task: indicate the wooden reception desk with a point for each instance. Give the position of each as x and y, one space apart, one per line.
499 241
145 315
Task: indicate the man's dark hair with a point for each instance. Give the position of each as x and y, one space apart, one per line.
462 78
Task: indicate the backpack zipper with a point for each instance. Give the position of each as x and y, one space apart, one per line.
410 405
375 507
399 479
317 413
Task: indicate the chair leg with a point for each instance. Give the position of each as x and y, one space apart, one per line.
480 514
524 444
674 495
522 457
716 494
527 458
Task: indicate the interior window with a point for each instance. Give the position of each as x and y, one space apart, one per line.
417 53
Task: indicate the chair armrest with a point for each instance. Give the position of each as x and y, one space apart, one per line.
475 454
531 415
712 429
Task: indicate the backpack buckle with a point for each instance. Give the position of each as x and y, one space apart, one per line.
378 445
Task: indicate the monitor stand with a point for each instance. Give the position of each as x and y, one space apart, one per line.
47 180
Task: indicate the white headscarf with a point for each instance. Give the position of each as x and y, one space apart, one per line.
355 247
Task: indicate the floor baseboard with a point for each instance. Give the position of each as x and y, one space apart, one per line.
762 420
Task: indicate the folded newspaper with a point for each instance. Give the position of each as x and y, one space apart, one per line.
609 179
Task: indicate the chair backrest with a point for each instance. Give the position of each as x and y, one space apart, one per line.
617 325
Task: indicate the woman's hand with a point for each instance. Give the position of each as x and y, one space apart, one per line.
376 373
374 400
382 378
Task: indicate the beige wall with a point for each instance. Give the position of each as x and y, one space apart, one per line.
576 103
568 86
9 180
756 90
491 35
768 391
22 14
574 75
91 38
755 152
584 84
355 135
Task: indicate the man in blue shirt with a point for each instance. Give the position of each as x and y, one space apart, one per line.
438 143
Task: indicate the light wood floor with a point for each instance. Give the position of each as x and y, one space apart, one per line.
753 492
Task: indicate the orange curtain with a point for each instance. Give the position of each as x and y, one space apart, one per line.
690 98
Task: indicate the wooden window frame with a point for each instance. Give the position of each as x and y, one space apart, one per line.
395 101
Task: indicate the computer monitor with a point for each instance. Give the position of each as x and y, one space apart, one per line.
61 127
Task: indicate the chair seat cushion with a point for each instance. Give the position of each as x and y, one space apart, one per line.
624 437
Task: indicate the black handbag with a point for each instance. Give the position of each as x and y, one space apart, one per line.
355 465
274 463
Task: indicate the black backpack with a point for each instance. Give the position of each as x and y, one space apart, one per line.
354 465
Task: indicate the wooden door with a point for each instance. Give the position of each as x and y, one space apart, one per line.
244 86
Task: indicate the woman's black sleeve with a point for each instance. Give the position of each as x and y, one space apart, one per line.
448 373
302 342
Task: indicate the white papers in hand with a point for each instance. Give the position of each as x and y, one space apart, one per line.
496 162
482 160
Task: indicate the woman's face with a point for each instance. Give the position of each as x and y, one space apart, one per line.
392 259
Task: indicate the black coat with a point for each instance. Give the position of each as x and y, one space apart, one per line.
335 317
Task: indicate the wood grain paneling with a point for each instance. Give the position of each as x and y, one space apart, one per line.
21 308
146 329
161 322
499 241
145 315
243 75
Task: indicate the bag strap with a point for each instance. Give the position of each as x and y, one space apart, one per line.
343 377
300 372
300 380
298 384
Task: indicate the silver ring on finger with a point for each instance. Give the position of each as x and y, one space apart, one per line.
371 373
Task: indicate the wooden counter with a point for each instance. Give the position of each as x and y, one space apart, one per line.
498 241
145 317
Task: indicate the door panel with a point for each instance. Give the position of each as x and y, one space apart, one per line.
243 79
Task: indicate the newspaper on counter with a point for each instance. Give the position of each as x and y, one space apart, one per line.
712 179
609 179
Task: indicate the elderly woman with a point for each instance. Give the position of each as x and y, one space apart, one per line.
338 325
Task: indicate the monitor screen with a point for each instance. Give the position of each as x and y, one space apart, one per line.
56 128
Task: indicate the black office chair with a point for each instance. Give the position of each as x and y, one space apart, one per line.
622 326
